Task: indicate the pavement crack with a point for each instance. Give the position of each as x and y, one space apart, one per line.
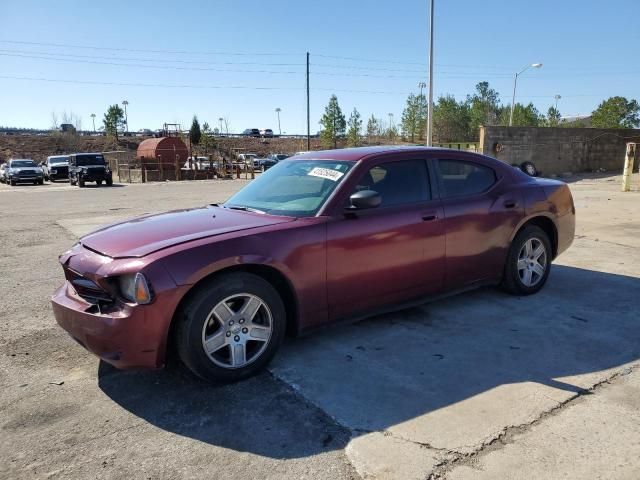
456 458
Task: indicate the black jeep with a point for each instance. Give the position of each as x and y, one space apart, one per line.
89 167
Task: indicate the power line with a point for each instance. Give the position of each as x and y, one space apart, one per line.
127 84
243 87
176 52
132 59
162 67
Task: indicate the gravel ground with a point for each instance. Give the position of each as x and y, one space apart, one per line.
484 386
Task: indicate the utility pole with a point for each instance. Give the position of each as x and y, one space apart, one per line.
308 115
93 119
557 97
220 120
421 85
126 118
278 110
430 107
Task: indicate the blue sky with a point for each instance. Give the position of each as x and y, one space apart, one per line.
588 48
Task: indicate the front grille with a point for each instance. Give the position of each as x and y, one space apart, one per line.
27 173
61 170
95 170
87 289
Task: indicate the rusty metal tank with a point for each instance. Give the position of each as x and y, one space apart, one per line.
163 150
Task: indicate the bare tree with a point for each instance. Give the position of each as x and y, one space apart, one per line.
73 119
54 121
226 124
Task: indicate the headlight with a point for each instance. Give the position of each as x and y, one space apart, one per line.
135 288
53 170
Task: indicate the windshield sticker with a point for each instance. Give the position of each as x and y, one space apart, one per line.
327 173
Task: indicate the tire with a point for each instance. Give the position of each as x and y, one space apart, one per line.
109 182
197 323
41 182
528 280
529 168
80 182
98 183
12 183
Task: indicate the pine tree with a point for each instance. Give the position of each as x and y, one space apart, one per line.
113 120
373 128
333 123
354 127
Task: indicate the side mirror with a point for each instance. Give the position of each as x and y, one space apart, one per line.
365 199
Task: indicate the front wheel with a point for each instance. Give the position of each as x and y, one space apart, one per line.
528 262
80 182
109 182
231 327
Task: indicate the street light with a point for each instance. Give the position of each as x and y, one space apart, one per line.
126 118
220 120
515 82
557 97
278 110
93 119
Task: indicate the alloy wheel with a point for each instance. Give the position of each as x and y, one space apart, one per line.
237 331
532 262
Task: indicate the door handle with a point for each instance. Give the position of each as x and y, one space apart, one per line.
509 204
429 217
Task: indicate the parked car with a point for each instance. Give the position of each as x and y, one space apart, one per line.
199 163
56 168
248 158
271 159
67 128
338 236
3 172
251 132
23 170
266 133
89 167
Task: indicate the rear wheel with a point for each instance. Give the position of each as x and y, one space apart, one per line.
231 327
528 262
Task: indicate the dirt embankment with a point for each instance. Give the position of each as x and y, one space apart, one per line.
39 147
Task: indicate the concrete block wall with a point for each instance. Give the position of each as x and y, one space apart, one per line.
559 150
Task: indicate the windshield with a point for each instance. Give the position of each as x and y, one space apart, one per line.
84 160
296 188
59 160
23 163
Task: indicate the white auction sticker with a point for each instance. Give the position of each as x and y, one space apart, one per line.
326 173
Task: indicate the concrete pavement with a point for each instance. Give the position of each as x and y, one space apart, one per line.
482 385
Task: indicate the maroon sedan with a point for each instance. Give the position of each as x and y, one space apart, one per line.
320 237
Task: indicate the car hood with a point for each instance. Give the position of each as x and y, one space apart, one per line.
26 169
141 236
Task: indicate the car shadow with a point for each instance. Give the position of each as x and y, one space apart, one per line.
389 369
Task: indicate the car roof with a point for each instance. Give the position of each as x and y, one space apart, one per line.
359 153
21 159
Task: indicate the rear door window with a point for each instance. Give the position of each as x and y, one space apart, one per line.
459 178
